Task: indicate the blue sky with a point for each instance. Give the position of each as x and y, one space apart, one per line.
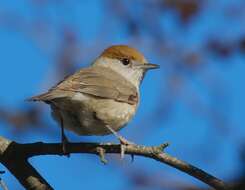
24 68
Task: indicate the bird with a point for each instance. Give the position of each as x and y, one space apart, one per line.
102 98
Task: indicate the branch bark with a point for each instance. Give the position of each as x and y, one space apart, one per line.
14 156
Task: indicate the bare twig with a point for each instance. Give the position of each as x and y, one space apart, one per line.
22 152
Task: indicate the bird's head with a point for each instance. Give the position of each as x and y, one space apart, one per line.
126 61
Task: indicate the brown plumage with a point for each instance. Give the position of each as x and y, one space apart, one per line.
95 81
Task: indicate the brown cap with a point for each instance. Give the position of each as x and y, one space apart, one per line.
123 51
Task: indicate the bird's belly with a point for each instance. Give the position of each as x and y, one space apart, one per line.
112 113
91 116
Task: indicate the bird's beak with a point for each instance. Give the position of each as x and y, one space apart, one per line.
145 66
148 66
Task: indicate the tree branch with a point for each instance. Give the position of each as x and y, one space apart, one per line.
21 152
16 162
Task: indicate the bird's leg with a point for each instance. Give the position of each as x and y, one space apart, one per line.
64 139
124 142
119 137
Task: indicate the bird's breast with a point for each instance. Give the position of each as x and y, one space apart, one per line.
116 114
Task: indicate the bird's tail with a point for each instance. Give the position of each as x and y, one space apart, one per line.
41 97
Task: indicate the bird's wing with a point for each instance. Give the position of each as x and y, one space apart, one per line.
96 81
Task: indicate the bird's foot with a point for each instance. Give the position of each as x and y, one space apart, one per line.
124 143
101 153
65 141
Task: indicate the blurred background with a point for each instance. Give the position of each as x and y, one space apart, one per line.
195 101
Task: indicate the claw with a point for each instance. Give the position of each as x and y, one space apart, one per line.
122 154
124 142
64 146
101 153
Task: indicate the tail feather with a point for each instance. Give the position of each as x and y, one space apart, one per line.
49 96
41 97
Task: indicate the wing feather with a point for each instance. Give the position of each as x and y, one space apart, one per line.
96 81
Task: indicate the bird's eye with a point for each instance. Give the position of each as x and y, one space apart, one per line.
125 61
